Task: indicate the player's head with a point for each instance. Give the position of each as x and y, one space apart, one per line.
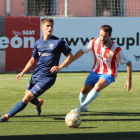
47 26
107 29
105 34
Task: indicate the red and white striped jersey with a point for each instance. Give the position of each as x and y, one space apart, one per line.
106 60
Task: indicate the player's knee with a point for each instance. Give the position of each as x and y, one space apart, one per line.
28 97
26 92
97 87
84 91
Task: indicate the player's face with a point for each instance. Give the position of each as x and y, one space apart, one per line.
47 28
104 37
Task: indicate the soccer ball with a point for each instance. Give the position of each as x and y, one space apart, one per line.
73 119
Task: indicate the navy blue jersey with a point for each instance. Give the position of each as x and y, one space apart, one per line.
48 53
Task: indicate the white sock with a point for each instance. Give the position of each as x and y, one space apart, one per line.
92 95
82 97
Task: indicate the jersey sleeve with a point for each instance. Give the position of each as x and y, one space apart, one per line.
122 58
87 48
35 51
64 48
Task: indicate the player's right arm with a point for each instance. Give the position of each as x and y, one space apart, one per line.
30 62
79 53
85 49
27 67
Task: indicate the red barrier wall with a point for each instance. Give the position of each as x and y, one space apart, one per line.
18 31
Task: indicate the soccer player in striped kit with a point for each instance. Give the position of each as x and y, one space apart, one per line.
47 52
107 56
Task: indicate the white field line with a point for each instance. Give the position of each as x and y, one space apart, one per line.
63 78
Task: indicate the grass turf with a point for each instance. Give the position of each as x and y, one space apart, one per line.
113 115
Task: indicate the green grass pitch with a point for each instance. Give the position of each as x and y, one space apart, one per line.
114 115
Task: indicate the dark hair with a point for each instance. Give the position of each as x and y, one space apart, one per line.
106 28
44 20
106 8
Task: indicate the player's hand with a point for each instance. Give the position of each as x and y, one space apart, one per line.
19 76
128 84
67 66
55 69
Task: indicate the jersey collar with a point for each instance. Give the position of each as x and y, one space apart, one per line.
108 46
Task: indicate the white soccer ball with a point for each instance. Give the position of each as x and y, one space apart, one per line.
73 119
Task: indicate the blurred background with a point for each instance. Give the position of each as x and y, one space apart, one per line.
71 8
76 21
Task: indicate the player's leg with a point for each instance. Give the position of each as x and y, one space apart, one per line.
32 86
90 81
84 91
93 94
38 89
18 107
38 103
103 82
88 85
83 94
34 101
35 90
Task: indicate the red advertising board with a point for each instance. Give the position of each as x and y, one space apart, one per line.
21 34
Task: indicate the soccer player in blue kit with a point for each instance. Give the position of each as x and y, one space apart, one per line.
47 51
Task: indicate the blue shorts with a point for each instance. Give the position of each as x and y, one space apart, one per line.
39 87
93 78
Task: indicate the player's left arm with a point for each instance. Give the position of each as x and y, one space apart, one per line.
128 83
67 61
124 60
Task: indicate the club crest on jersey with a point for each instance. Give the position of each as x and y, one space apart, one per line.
66 44
108 55
51 46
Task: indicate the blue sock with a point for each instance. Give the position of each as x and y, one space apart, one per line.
82 97
35 101
17 108
92 95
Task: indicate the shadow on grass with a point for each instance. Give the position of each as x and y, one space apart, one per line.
89 113
112 114
61 117
85 136
79 136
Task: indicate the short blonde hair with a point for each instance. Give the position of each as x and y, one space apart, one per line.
44 20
